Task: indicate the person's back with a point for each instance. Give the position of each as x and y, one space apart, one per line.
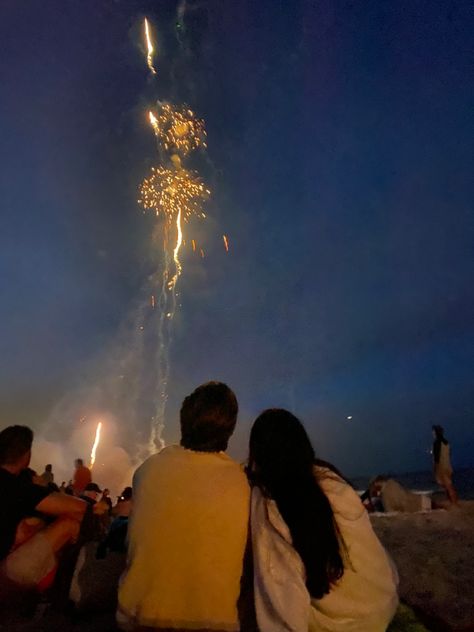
188 530
368 588
47 476
318 564
82 477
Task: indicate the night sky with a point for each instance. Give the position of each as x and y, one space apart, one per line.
340 161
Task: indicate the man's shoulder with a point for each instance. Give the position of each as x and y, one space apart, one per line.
8 481
176 458
4 475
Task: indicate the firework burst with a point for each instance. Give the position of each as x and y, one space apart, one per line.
178 129
170 192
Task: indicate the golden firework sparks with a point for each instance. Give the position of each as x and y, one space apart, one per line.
226 242
96 444
150 49
170 192
176 194
178 129
152 301
202 253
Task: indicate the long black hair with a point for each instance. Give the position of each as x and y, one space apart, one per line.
281 464
439 439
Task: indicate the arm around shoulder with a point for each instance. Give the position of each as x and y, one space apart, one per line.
57 504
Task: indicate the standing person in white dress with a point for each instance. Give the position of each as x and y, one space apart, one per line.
443 470
318 565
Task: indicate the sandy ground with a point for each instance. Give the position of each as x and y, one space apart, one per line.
434 553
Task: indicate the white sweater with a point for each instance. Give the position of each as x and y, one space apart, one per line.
364 600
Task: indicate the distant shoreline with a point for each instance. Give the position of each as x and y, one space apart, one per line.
423 480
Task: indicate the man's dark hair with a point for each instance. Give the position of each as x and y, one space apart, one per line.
79 462
49 467
15 442
208 418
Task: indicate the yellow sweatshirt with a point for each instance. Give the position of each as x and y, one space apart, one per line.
187 539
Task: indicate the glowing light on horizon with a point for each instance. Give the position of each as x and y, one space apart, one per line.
150 48
96 444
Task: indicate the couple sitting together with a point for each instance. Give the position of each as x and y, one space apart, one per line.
287 543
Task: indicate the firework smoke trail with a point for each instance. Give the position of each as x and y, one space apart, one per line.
96 444
150 49
175 194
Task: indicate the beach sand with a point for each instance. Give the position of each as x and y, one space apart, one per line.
434 553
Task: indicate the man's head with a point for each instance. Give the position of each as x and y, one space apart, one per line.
208 418
49 467
78 463
376 485
92 490
438 432
15 448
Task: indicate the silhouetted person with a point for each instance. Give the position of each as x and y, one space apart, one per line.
47 476
106 499
81 478
92 528
28 547
124 504
443 471
117 535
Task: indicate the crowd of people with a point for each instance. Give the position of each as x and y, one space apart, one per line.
282 544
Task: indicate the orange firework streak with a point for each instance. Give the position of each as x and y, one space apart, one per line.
226 242
96 444
150 49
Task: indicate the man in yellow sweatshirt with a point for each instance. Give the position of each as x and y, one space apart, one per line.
188 530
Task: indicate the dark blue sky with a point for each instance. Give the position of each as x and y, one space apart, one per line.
340 158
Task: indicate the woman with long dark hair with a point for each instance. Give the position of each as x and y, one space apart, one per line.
318 565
